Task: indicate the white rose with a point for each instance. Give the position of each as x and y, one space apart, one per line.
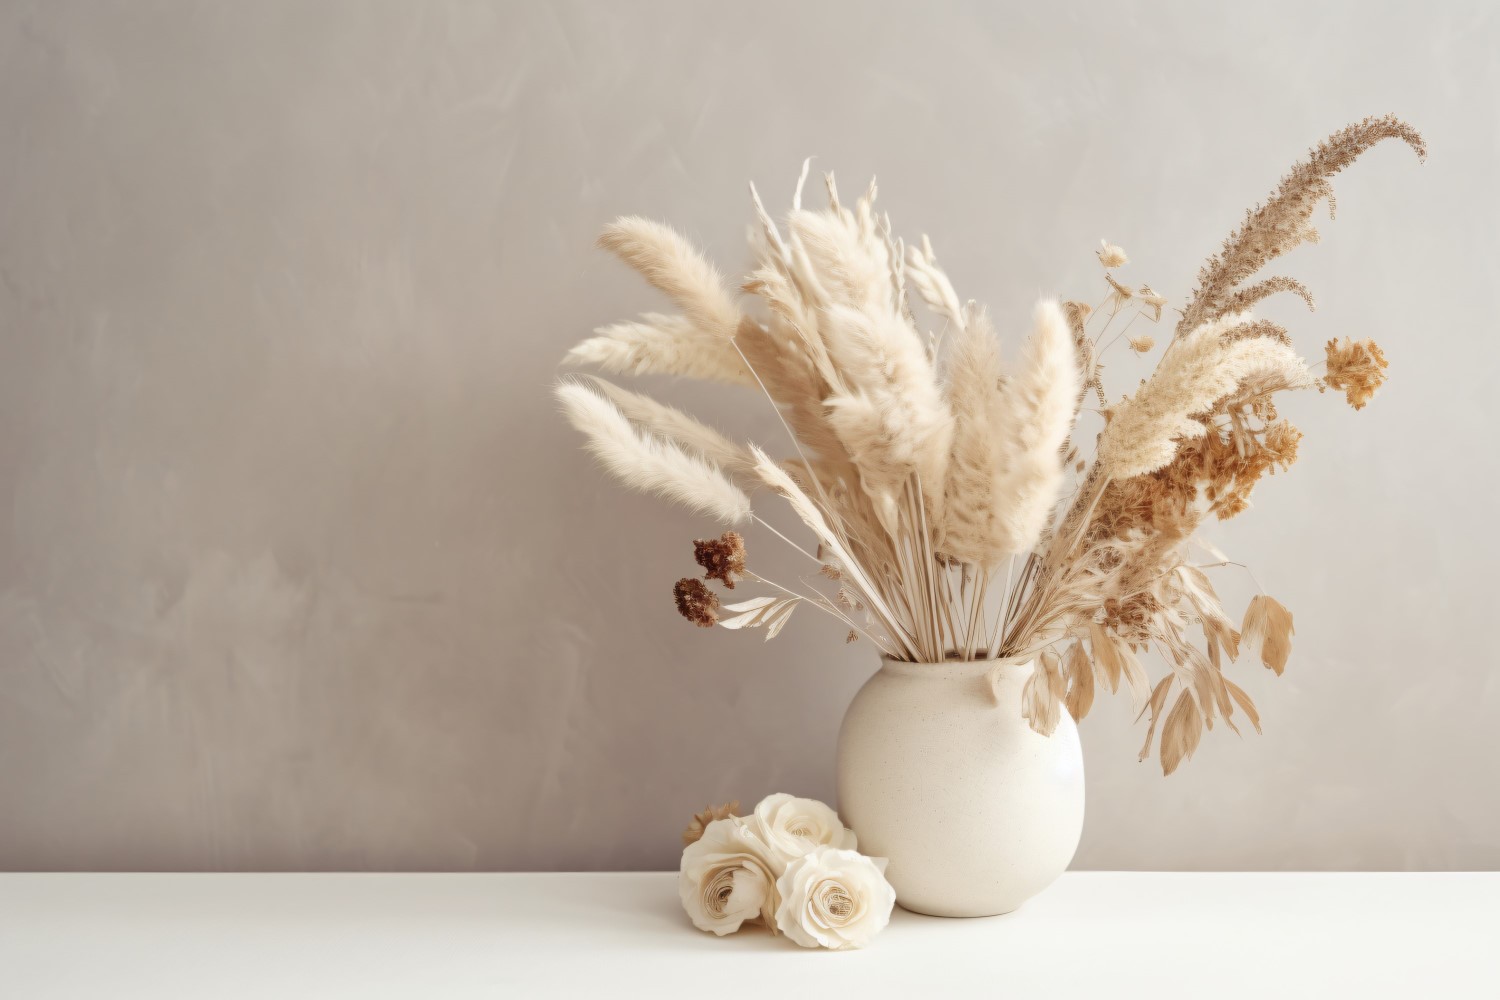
835 898
726 878
791 827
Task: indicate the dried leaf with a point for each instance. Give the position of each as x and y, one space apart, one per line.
1105 656
1158 699
1042 697
775 623
1243 700
1080 674
1181 733
1216 624
1135 675
1268 631
763 615
754 604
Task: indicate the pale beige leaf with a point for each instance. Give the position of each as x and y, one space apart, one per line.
1268 631
775 623
754 604
1106 656
1080 675
1158 700
1181 733
1243 700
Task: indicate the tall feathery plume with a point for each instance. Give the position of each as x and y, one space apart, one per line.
657 344
972 501
1035 417
1197 370
891 415
672 424
695 344
932 283
649 464
675 267
1282 223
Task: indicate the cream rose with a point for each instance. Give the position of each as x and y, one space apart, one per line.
727 877
791 827
834 898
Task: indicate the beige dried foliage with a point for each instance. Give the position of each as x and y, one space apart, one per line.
1080 674
1180 733
920 464
1267 632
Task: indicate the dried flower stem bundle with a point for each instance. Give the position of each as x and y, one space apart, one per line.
928 470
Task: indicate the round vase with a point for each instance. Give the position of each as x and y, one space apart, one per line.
939 773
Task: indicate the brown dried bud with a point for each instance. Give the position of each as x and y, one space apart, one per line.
696 603
721 558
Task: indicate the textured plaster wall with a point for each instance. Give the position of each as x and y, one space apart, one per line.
299 569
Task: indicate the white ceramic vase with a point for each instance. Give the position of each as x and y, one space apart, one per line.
939 773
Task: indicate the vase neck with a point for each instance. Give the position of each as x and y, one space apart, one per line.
958 669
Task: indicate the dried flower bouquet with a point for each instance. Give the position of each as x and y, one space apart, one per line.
954 513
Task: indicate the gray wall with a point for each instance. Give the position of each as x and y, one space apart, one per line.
299 569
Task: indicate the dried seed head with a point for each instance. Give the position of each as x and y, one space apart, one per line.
696 603
1111 255
721 558
853 636
1355 366
1141 344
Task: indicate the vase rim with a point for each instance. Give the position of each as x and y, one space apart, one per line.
957 669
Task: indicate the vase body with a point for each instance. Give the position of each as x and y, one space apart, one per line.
939 773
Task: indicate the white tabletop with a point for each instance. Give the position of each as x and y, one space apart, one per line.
1093 934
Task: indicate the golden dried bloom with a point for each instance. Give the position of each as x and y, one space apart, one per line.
1280 442
696 603
1141 344
1111 255
721 558
694 831
1357 367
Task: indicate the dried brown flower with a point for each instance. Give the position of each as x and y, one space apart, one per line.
696 603
721 558
1141 344
694 831
1355 366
